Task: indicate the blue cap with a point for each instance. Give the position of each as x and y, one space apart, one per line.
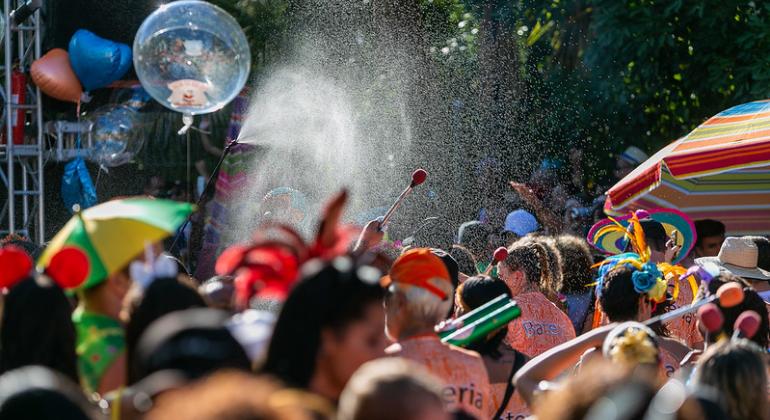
521 222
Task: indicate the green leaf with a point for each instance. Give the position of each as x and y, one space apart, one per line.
538 31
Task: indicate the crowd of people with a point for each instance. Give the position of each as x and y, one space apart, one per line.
353 325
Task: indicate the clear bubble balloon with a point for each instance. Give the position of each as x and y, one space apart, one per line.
116 135
191 56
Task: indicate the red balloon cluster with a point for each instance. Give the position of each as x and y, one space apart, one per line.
712 318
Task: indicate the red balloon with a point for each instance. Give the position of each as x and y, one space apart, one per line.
15 265
53 74
68 268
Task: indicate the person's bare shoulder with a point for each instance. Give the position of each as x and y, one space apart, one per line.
589 356
675 347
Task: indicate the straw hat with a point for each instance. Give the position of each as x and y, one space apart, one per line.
738 256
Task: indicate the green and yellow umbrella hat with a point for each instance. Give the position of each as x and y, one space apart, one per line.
112 234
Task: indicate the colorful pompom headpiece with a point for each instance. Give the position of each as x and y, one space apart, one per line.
631 343
646 276
68 268
614 236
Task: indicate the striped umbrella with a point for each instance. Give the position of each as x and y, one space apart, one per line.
721 170
113 233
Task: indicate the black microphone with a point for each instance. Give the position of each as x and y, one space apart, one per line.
25 11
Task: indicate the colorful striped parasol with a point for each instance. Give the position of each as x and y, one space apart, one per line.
721 171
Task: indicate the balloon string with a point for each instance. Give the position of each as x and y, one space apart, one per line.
206 189
189 169
77 117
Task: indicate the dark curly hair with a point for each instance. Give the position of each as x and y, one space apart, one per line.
620 302
576 262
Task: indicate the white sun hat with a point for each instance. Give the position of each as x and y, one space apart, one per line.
738 256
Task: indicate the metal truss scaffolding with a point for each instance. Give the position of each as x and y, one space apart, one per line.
21 165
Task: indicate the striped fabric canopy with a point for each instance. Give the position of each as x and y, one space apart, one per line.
721 170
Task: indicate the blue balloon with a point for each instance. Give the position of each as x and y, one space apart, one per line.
97 61
76 186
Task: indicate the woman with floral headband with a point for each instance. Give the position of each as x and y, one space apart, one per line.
631 291
663 237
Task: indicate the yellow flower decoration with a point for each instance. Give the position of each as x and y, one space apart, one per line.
658 292
634 347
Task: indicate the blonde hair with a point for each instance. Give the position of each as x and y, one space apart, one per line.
232 395
579 393
736 368
531 258
390 388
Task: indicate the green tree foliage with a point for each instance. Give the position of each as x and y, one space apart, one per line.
263 22
603 74
650 70
678 61
594 74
